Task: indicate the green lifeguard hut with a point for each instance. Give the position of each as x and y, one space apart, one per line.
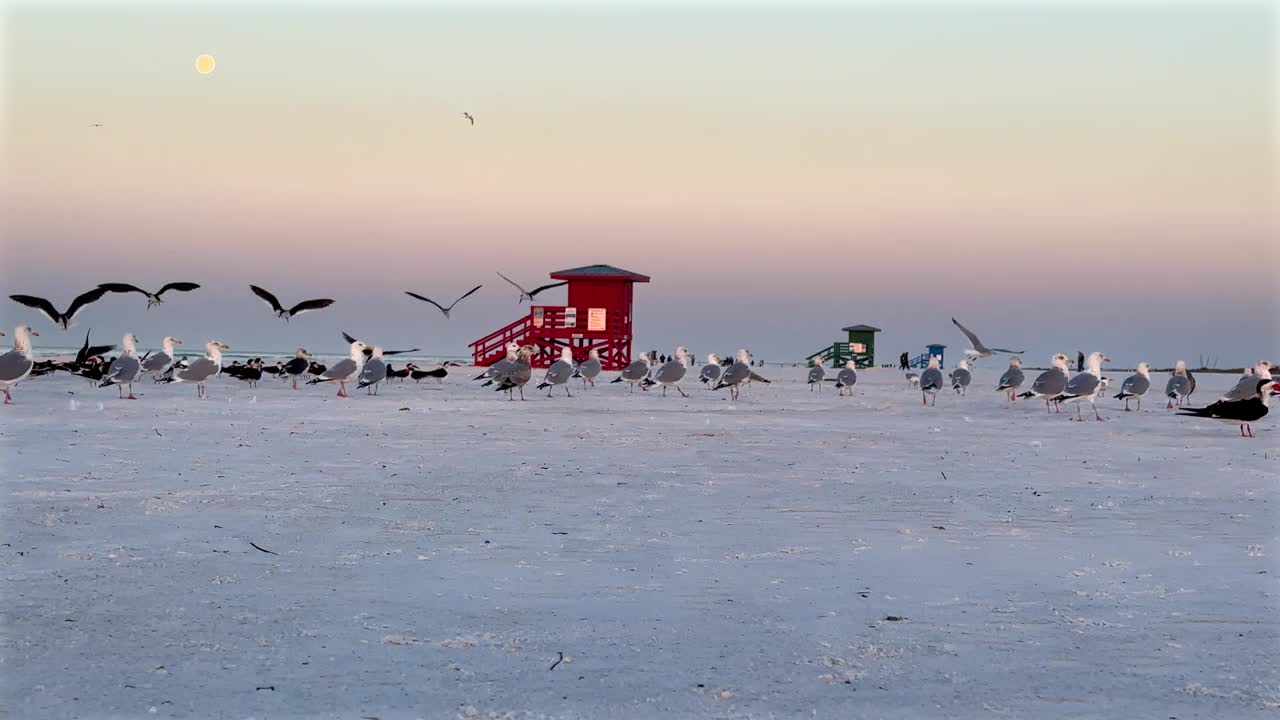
861 348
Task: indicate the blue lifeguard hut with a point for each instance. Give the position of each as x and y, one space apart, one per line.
922 361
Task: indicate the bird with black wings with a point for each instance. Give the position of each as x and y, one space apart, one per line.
154 298
63 319
443 309
280 311
529 294
350 339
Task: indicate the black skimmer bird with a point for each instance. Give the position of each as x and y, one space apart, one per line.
154 298
439 374
63 319
443 309
1241 412
280 311
530 294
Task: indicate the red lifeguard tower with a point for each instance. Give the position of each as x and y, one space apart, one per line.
598 315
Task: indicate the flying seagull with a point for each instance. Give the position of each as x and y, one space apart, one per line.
350 339
443 309
529 294
57 318
95 124
304 306
467 115
979 350
152 298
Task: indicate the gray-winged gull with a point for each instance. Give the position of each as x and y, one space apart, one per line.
847 378
635 373
1012 378
559 373
516 376
1051 382
1179 386
500 367
16 364
373 372
736 374
124 369
157 364
817 374
979 350
672 372
931 381
344 371
202 370
711 371
1247 386
1135 386
589 369
298 366
1084 386
961 377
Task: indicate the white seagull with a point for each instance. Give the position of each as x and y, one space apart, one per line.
559 373
124 369
204 369
1135 386
16 364
344 371
1085 386
1012 378
589 369
931 381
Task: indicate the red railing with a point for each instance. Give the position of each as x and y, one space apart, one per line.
546 321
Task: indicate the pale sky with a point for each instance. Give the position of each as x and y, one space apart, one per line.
1060 177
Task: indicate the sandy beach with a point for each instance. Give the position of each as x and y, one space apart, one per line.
435 550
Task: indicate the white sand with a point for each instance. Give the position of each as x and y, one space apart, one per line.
690 558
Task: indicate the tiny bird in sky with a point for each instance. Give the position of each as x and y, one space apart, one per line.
467 115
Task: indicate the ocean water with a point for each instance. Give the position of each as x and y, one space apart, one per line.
423 359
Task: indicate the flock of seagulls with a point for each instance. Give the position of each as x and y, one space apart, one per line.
367 366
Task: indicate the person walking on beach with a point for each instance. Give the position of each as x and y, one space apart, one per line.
902 361
1079 361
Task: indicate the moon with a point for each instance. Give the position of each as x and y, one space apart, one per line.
205 64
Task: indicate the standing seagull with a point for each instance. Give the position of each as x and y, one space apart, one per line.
529 294
443 309
344 371
589 369
297 366
1051 382
64 319
634 373
1247 386
374 371
152 298
559 373
961 377
499 368
16 364
979 350
816 375
672 372
1135 386
736 374
517 376
711 371
124 369
1242 412
1178 387
204 369
931 381
278 309
847 378
1012 378
158 364
1084 386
